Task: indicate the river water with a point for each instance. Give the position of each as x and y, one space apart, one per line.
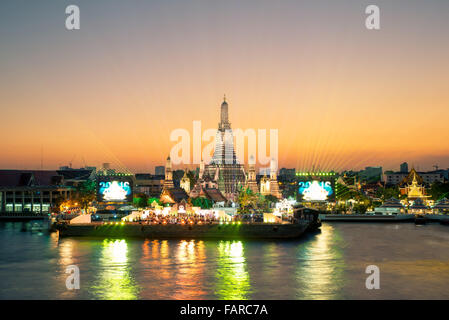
413 263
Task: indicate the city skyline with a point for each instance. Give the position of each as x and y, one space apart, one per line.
341 96
235 153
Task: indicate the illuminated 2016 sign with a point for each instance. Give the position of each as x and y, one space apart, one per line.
114 190
316 190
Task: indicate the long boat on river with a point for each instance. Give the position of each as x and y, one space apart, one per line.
227 231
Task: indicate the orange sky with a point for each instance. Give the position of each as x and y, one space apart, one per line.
341 96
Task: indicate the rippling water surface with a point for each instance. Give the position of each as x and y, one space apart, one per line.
413 262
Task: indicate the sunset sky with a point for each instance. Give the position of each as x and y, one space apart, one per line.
341 96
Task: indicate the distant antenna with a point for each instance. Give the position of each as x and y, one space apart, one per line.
70 163
42 157
436 167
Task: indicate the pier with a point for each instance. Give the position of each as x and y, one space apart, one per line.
381 218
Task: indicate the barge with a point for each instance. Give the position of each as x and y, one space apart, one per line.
178 231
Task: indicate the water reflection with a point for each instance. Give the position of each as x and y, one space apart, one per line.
66 253
54 240
232 275
156 275
189 280
271 265
320 266
414 264
115 281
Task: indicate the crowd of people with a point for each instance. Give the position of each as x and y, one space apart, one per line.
192 218
153 218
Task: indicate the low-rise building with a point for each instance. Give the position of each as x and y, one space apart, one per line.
159 171
149 184
33 191
74 177
395 178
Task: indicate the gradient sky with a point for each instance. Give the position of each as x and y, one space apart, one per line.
341 96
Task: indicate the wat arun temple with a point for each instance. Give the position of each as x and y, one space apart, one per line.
224 175
224 166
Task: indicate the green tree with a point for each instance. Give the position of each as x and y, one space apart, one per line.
248 201
388 192
289 190
85 193
344 193
152 200
191 175
271 199
202 202
140 200
439 190
360 208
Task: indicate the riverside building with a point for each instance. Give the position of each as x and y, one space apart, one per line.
429 177
31 191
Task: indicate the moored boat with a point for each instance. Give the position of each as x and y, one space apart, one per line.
179 231
311 216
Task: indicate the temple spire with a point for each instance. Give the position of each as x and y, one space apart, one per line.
224 120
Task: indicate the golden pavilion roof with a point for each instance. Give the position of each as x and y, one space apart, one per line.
413 175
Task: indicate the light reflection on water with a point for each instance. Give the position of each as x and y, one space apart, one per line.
189 270
114 282
320 266
326 265
66 253
232 278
